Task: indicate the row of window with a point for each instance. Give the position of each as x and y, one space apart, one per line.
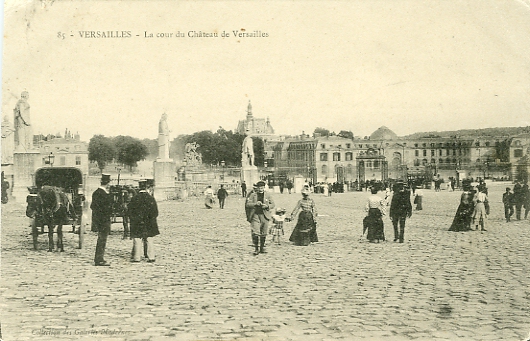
440 152
61 161
336 156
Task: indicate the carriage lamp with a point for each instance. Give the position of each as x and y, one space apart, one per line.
51 159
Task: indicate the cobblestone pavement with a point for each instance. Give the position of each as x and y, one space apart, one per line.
207 285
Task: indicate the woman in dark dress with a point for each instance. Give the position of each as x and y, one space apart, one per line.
306 223
464 213
373 222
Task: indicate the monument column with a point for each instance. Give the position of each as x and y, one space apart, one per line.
25 157
163 167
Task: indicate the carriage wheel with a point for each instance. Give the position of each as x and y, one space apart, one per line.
34 232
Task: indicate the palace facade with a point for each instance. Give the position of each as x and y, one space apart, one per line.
384 155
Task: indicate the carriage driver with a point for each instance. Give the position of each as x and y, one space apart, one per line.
101 212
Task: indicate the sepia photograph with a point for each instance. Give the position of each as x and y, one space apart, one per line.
265 170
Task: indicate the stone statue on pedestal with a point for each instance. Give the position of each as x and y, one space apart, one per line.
163 138
23 129
247 155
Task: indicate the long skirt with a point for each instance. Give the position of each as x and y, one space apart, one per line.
373 222
209 202
305 228
463 217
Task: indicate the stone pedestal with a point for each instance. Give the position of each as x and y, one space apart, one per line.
164 175
299 183
250 175
24 166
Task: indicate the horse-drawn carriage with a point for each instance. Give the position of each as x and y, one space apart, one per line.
57 199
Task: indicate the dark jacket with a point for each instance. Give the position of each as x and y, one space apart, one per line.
101 206
222 193
400 205
143 212
251 202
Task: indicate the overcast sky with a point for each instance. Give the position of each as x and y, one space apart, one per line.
409 65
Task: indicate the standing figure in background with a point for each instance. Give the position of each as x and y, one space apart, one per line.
243 189
209 200
418 198
507 200
373 222
400 210
143 212
480 214
526 203
222 194
518 198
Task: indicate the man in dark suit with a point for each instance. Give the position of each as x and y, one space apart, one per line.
259 205
101 207
221 195
400 210
143 212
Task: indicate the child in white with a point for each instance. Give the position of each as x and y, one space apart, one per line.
277 226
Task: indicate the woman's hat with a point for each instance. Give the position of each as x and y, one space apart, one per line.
305 191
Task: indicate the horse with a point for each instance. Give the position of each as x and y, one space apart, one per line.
55 208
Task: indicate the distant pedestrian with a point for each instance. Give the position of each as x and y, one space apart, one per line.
400 210
259 205
518 198
209 200
373 222
289 185
244 189
507 200
526 202
305 230
282 186
464 213
418 198
480 214
330 189
101 207
222 194
453 183
143 211
5 188
277 225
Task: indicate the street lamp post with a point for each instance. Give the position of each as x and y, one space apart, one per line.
118 169
223 168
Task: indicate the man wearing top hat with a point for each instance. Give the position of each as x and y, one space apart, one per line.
259 205
143 212
101 207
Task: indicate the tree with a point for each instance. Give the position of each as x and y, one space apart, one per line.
346 134
152 148
129 150
101 150
321 131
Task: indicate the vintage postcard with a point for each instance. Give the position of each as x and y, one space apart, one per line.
197 102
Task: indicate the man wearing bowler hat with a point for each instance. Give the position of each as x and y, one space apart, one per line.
400 210
259 205
101 207
143 212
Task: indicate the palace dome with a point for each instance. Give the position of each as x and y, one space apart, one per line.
383 133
